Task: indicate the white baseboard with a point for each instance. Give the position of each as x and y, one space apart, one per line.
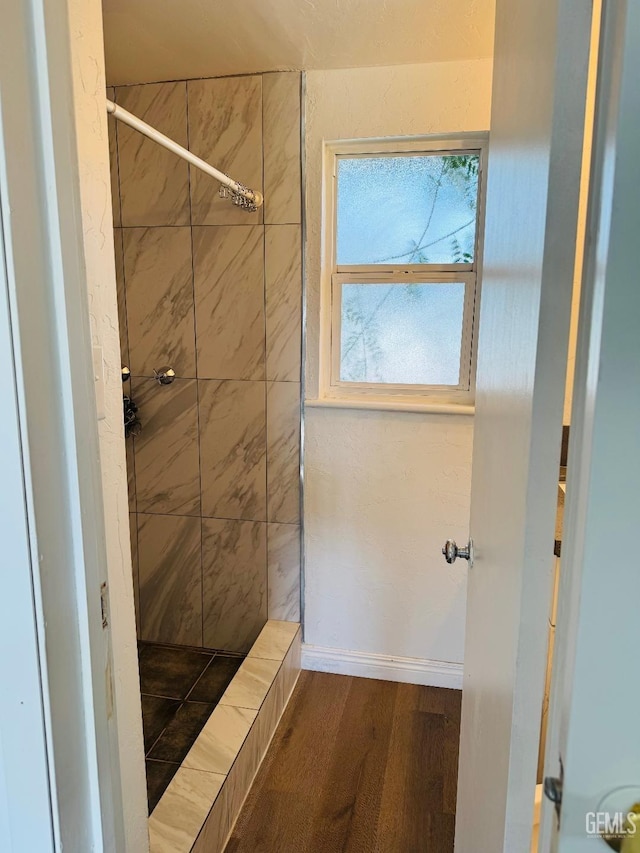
432 673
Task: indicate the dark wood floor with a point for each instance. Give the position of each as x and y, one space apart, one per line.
356 765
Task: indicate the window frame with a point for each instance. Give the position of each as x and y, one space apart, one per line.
467 278
333 390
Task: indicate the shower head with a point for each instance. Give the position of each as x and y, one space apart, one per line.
243 197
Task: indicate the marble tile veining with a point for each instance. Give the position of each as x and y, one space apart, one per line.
225 128
233 794
228 263
234 567
283 276
283 451
220 740
291 667
169 549
283 571
270 713
241 776
159 298
210 290
242 773
275 640
281 107
233 449
154 183
213 836
178 817
251 684
238 740
237 783
166 450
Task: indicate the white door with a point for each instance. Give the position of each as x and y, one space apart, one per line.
537 123
595 697
26 820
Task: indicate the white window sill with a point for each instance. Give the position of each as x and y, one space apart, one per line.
420 407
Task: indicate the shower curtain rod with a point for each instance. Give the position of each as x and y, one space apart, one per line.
247 199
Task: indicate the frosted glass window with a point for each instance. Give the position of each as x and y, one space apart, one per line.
400 270
407 209
401 334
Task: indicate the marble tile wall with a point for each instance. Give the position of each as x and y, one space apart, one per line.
217 294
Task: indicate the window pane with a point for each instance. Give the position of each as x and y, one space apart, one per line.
407 209
402 333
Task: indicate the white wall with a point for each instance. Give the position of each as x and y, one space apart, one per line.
85 20
281 35
383 490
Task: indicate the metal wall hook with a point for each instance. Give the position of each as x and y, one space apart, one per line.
126 373
164 375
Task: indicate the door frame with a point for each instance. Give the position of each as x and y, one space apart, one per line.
47 331
602 504
50 340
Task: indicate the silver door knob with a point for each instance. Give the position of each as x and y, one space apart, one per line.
452 552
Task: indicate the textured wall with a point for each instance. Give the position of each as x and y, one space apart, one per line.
198 38
215 293
383 490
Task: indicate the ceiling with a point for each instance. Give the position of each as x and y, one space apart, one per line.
151 40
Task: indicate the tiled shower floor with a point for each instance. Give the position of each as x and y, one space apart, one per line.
180 688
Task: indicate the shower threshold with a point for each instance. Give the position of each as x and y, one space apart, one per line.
222 740
180 688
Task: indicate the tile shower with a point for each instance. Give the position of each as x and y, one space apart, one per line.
214 292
